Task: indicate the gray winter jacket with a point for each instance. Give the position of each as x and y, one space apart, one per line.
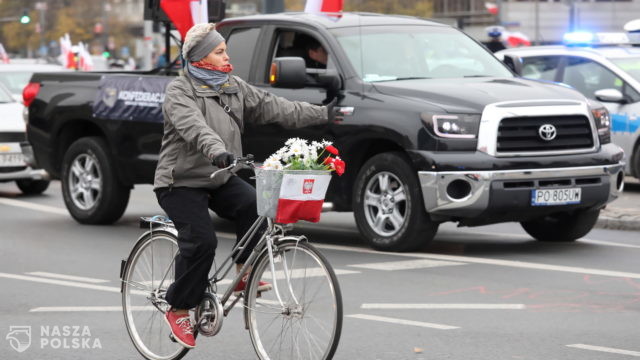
196 127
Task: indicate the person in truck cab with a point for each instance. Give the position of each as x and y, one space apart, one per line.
317 56
205 110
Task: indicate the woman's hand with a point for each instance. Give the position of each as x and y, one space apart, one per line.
223 160
333 111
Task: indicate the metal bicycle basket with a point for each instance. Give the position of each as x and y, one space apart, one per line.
291 195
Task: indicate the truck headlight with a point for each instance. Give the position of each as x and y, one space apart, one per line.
460 126
603 124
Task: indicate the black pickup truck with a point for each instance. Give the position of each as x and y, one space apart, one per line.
434 129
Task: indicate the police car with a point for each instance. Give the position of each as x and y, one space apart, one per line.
602 66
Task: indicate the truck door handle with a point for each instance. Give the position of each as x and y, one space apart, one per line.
346 110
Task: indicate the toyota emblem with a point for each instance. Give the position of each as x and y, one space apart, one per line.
547 132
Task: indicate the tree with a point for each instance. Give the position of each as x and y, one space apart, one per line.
420 8
294 5
69 22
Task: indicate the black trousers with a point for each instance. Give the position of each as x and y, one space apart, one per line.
197 241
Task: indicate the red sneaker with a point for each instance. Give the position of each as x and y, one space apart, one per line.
181 328
262 286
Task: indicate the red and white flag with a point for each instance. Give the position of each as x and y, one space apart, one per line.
85 63
320 6
515 39
3 55
185 13
301 197
492 8
65 49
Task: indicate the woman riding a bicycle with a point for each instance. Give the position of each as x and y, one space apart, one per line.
204 114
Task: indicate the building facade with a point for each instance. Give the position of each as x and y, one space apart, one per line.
543 21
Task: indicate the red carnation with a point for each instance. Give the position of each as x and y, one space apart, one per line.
332 150
339 165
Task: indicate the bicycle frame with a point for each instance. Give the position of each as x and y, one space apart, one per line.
266 241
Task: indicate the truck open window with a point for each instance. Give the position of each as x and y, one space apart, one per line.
299 44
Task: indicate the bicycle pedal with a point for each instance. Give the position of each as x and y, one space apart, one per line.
172 338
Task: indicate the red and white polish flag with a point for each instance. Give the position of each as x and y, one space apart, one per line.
318 6
185 13
492 8
301 197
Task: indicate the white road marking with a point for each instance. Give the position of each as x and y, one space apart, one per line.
497 262
67 277
605 349
486 233
226 234
90 308
406 264
66 283
445 306
32 206
311 272
609 243
402 321
526 237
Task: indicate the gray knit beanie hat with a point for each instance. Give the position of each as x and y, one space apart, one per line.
200 40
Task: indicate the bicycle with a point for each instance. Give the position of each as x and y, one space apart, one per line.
300 318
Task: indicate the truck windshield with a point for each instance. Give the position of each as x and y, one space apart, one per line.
5 96
631 65
386 53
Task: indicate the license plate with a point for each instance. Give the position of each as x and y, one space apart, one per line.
9 160
11 155
556 197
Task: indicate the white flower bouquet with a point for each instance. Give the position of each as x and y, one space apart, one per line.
299 154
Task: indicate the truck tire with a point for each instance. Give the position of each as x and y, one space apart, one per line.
635 165
90 187
563 227
388 205
32 187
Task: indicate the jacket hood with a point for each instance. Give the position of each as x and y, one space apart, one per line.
471 95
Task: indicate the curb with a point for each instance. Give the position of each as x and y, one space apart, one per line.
619 219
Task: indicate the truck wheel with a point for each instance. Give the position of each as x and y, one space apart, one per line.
564 227
32 187
388 205
90 187
635 166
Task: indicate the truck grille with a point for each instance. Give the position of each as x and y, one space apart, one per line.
13 137
521 134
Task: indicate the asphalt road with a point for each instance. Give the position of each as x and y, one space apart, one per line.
474 293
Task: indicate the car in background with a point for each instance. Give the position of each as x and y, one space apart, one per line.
15 76
603 67
16 157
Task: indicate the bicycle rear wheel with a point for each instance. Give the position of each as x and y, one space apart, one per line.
305 323
148 263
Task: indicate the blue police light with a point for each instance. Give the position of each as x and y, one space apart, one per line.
578 38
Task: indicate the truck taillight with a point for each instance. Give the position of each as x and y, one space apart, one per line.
29 93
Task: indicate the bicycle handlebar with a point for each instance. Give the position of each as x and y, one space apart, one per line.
237 164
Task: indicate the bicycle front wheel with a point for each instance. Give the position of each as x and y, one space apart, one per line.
143 290
301 316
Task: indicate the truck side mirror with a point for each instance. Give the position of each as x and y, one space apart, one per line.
514 63
329 79
609 95
288 72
